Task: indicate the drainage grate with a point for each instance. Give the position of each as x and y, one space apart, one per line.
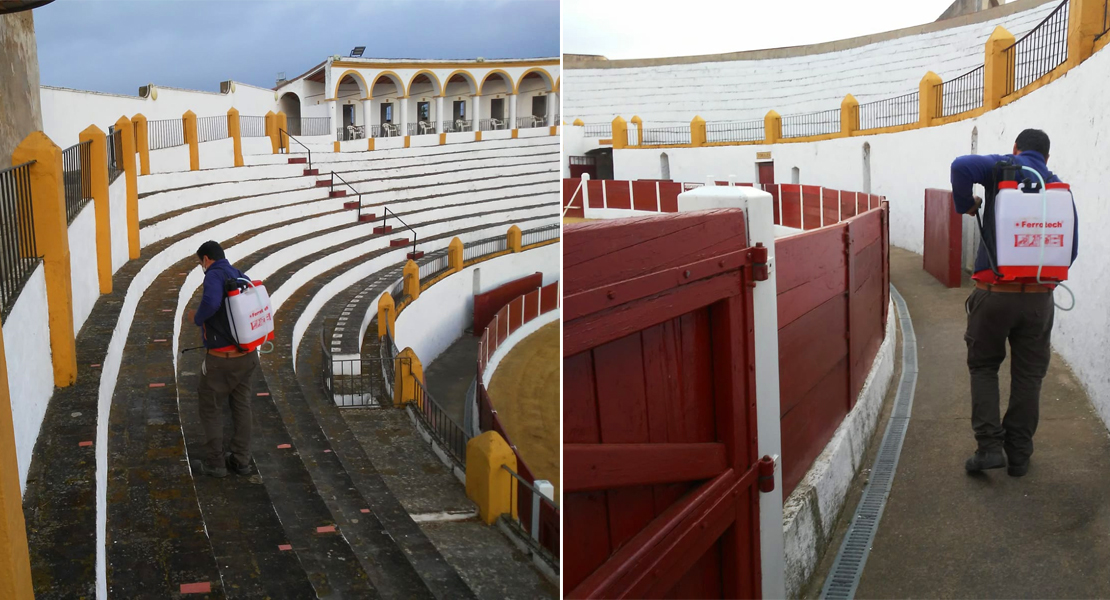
846 571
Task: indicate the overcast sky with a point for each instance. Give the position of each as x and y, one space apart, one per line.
628 29
119 45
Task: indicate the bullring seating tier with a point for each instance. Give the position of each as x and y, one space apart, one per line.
165 529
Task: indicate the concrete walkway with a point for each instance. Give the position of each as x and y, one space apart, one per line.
947 534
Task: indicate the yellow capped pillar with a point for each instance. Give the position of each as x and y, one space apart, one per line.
408 371
282 123
639 123
411 286
1085 23
387 315
455 255
578 123
271 130
513 239
929 98
142 143
132 186
98 182
189 120
849 115
48 209
996 73
772 128
620 133
15 560
487 484
697 132
235 132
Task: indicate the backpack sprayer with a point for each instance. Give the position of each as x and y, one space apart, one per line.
248 311
1028 242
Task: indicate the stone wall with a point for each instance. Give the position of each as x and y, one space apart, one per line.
19 82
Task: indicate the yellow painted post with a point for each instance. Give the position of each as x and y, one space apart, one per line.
849 115
370 145
1085 22
411 286
996 72
48 209
639 123
554 130
929 98
407 371
772 127
513 239
142 143
487 484
189 121
620 133
15 559
282 124
132 186
455 255
387 315
697 132
98 182
335 146
578 123
442 139
272 130
235 132
408 140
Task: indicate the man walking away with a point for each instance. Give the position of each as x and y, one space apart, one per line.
225 373
1020 312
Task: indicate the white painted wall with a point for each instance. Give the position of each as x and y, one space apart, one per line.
30 370
904 164
217 154
169 160
82 265
442 312
117 210
748 89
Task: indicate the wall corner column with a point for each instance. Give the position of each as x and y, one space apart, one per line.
487 484
514 239
271 130
282 123
772 127
126 135
930 102
387 315
235 132
1085 22
455 252
98 183
411 285
142 143
48 208
189 121
697 132
849 116
996 71
620 133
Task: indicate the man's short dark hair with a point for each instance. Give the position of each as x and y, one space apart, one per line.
1033 139
210 249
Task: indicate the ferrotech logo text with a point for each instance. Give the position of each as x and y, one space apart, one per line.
1033 240
1037 225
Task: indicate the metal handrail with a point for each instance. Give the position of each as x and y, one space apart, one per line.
538 498
385 221
443 427
284 150
331 188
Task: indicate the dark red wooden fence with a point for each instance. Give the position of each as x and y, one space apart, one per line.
833 291
488 303
943 237
573 199
660 453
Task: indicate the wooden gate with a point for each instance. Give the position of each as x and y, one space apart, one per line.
660 455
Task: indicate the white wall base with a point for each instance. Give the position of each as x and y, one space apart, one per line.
811 511
30 369
83 274
117 211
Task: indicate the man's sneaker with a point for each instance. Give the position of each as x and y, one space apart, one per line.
201 468
233 465
983 460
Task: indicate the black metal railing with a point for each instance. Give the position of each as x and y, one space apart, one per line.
483 247
165 133
397 290
661 136
350 132
493 124
283 145
385 222
530 121
961 94
538 235
309 125
816 123
900 110
252 126
211 128
734 131
384 130
598 130
331 188
115 154
537 516
434 263
365 382
1038 52
446 430
458 126
422 128
75 178
18 253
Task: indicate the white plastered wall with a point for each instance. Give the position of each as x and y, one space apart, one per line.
117 211
30 370
431 323
83 265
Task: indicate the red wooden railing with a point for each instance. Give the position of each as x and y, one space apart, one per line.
510 318
943 237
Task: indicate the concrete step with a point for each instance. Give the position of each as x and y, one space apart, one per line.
350 205
298 160
398 242
415 255
323 183
312 171
337 193
367 218
383 229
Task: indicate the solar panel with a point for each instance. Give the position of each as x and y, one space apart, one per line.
357 52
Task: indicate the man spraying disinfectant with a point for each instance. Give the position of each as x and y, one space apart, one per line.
1030 237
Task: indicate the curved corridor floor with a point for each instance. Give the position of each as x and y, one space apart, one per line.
525 390
947 534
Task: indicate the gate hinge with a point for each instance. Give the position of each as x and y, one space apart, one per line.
760 268
766 474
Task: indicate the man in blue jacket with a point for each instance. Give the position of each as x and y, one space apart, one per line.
225 373
1020 312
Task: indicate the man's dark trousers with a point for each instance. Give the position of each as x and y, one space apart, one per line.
1025 319
227 378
